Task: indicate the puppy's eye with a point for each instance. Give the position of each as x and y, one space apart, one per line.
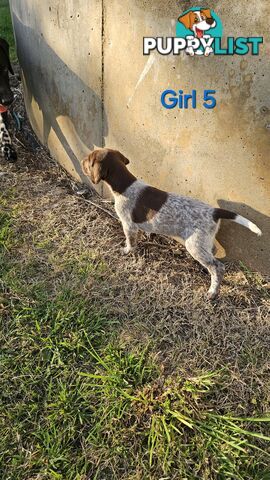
196 19
203 17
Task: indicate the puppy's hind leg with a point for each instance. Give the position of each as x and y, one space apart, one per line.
131 235
199 245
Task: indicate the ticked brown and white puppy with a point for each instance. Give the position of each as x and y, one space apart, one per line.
6 98
199 22
142 207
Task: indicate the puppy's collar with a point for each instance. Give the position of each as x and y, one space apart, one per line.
3 108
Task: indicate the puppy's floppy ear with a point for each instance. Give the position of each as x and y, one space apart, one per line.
86 165
207 12
186 20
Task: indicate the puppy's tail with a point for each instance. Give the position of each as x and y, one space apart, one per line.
219 213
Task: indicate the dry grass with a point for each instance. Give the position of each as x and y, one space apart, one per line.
156 297
157 293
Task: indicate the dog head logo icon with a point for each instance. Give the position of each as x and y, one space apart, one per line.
200 26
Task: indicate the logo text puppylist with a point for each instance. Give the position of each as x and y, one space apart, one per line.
199 32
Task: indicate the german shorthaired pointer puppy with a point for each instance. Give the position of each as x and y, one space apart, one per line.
6 98
141 207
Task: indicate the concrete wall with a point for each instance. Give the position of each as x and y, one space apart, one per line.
59 48
87 83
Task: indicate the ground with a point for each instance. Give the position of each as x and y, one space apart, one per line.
117 367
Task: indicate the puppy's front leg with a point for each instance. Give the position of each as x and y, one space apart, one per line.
6 148
131 235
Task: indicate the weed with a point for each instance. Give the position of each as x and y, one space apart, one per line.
113 368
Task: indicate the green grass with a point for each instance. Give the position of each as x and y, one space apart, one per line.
6 30
76 403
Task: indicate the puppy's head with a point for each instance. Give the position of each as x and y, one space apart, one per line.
101 163
4 55
6 94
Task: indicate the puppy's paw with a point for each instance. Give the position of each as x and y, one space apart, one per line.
9 153
207 51
189 51
126 250
212 294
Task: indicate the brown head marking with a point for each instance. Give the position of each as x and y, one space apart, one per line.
108 165
206 12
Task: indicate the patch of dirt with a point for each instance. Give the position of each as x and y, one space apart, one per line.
157 294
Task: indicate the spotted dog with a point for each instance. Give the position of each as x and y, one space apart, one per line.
199 22
6 98
142 207
6 148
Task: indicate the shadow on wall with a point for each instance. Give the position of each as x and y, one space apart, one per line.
59 92
235 238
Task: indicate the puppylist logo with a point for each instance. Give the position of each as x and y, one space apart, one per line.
199 32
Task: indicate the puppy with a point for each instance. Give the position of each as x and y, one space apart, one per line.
6 98
198 22
141 207
6 148
6 95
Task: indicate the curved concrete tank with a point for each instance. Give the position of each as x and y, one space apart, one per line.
88 84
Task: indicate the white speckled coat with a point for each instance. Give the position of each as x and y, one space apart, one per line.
142 207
